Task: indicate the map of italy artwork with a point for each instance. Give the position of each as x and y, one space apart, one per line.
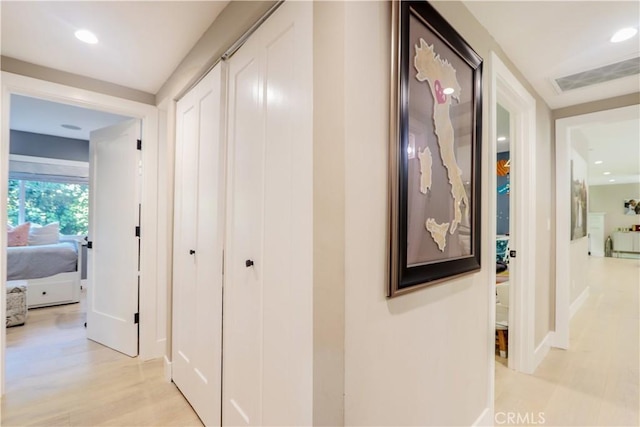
439 153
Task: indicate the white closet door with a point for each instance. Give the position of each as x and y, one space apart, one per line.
268 259
198 239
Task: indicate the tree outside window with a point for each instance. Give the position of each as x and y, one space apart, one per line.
45 202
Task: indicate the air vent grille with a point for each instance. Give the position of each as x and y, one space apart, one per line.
600 75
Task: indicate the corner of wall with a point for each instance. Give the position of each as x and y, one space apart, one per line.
328 214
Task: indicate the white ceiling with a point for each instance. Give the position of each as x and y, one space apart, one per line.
615 141
140 45
46 117
141 42
550 39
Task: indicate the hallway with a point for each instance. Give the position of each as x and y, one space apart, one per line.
595 382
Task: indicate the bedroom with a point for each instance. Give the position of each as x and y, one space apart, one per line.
48 207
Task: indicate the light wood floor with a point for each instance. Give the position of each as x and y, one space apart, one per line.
595 382
57 377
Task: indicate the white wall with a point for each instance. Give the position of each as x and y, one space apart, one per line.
418 359
609 199
545 238
423 358
328 213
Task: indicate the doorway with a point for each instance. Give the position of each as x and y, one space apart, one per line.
514 99
151 340
503 208
53 200
570 290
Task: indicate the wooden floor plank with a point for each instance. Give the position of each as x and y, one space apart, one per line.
55 376
595 382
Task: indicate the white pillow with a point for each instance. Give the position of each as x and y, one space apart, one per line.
46 235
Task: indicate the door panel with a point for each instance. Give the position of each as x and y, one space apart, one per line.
112 294
243 343
267 305
198 234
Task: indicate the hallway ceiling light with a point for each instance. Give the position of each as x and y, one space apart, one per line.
606 173
597 162
502 138
623 34
612 180
86 36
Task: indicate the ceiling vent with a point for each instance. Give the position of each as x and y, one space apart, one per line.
607 73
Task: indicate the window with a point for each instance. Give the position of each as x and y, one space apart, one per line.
42 202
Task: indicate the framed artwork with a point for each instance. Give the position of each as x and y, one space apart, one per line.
632 206
436 121
579 193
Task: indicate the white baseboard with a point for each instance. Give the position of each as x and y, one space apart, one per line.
575 306
542 350
558 341
485 419
167 369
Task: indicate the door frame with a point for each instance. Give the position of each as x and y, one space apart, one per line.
151 339
565 308
507 90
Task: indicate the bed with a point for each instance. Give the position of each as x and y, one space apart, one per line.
51 272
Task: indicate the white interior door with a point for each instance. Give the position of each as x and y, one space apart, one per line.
114 214
267 366
198 240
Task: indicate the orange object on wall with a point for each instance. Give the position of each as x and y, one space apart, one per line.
504 166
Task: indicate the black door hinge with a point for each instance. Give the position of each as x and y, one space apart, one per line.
512 254
89 244
139 144
137 231
136 318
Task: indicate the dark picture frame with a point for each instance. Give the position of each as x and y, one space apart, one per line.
435 149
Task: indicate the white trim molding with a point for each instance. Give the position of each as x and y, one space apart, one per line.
578 302
542 350
168 369
507 90
563 212
485 419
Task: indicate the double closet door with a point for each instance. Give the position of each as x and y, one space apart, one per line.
244 188
197 247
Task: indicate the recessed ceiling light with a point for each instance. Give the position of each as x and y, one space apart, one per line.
623 34
606 173
598 162
612 180
86 36
448 91
71 127
502 138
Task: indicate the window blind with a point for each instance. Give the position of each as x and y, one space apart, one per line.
48 170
